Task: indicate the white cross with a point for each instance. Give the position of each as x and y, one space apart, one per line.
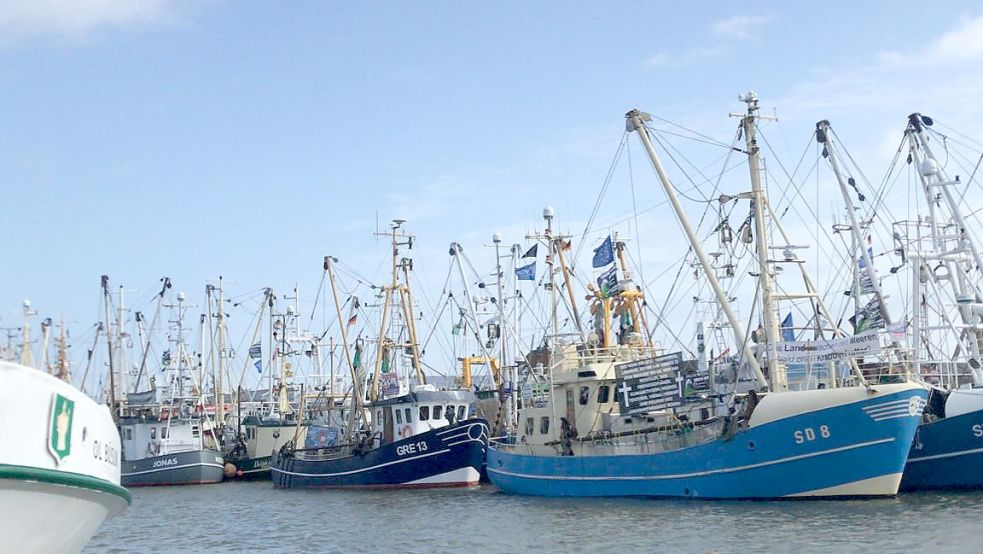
624 389
679 384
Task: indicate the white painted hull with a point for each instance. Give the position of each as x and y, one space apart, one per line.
59 464
51 518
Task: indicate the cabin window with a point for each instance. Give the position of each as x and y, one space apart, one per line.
603 394
409 415
530 424
129 434
584 395
399 417
378 417
437 410
424 413
153 433
544 425
194 431
460 413
163 432
449 413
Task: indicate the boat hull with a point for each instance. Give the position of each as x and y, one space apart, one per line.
55 511
855 448
449 456
252 469
946 454
192 467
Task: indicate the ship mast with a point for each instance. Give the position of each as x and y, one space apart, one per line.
26 356
635 123
937 186
766 284
402 290
356 407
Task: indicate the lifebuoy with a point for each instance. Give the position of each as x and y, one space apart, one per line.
405 431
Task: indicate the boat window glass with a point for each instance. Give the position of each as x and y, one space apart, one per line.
437 411
584 395
129 434
460 413
449 412
399 417
153 432
544 425
163 432
424 413
194 431
603 394
530 424
409 415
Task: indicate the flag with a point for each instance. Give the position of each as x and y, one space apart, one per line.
531 253
788 333
526 272
607 282
256 351
259 366
165 358
869 317
352 320
898 330
603 254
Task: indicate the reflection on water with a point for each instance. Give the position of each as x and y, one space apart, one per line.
234 517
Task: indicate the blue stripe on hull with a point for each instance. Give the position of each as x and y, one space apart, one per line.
947 454
429 454
762 462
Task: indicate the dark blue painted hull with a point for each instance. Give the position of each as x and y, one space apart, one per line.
946 454
450 456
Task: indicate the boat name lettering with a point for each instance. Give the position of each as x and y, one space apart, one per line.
411 448
809 434
164 463
978 431
105 452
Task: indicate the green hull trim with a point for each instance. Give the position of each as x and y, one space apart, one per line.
50 476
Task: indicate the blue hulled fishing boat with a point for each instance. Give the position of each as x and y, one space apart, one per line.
606 417
398 433
421 440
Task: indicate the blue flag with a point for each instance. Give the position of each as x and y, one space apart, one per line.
788 333
256 351
603 254
526 272
259 366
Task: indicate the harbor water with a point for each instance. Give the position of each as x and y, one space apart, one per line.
242 517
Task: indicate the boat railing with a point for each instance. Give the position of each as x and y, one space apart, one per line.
323 453
663 438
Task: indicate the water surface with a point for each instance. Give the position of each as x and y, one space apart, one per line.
243 517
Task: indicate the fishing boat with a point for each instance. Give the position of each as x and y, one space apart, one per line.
399 434
167 436
59 463
621 418
944 259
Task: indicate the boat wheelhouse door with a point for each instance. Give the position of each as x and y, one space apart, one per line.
387 425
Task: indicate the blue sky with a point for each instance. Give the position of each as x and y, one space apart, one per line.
141 138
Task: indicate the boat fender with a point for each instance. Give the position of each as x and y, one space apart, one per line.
229 470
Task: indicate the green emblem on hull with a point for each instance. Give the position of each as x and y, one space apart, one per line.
60 427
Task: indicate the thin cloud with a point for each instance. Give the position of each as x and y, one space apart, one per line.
75 18
740 27
688 57
961 44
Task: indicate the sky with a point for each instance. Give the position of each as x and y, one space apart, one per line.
193 139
